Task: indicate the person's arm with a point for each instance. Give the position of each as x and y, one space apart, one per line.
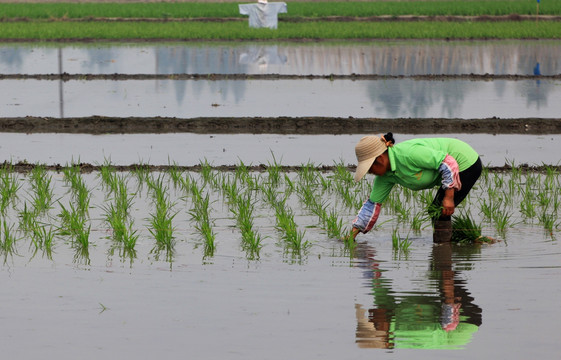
366 218
450 173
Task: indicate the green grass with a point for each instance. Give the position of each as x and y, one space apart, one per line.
298 9
287 31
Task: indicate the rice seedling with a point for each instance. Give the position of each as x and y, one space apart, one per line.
161 226
117 216
273 171
117 221
290 187
238 30
551 181
488 207
129 239
43 238
80 193
343 184
502 221
176 175
27 219
465 230
71 220
308 174
285 222
544 200
9 186
141 172
243 210
400 243
400 210
42 197
201 215
549 221
417 222
334 225
7 240
527 207
161 220
290 233
208 175
298 10
107 173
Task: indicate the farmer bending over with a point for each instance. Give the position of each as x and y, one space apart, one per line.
416 164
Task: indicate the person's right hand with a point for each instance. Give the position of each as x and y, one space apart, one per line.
352 235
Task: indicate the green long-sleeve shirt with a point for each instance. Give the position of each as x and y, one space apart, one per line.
415 163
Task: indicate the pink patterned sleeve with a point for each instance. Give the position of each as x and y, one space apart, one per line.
450 172
367 216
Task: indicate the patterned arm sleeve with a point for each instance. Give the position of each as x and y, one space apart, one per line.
367 216
450 173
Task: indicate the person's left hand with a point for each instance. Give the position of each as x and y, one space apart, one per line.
448 206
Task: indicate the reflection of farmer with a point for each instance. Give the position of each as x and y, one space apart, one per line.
416 164
419 320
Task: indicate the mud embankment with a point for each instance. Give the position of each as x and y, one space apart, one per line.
86 168
277 125
216 77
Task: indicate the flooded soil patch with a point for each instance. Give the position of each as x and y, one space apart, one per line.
391 58
391 98
101 297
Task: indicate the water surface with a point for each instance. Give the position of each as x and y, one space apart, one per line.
520 57
392 98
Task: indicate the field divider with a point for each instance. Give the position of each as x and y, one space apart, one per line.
23 167
103 125
220 77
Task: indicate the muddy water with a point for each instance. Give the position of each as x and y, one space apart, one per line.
498 301
323 58
329 303
272 98
191 149
340 98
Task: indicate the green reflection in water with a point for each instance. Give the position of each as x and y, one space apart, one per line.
446 318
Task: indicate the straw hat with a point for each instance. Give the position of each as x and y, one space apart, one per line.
367 150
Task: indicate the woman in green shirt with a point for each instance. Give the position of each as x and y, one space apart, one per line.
416 164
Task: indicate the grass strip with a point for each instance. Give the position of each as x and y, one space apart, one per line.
292 31
299 9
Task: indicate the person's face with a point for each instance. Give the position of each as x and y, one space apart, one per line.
380 165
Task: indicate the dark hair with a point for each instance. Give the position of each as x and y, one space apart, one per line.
389 138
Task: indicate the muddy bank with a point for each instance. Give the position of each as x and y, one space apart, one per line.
86 168
217 77
276 125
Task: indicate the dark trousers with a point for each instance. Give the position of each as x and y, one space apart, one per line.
468 177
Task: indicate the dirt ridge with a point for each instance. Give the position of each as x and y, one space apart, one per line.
98 125
86 168
215 77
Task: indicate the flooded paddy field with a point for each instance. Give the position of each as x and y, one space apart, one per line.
106 296
393 98
144 263
405 57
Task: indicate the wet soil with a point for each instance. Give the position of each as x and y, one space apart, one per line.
216 77
276 125
87 168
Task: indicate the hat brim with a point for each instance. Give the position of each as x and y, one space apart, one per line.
363 167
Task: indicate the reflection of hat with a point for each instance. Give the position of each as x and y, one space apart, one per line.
367 150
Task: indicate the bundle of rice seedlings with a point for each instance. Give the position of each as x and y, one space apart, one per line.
465 230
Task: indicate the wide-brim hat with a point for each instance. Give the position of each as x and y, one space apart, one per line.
367 150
